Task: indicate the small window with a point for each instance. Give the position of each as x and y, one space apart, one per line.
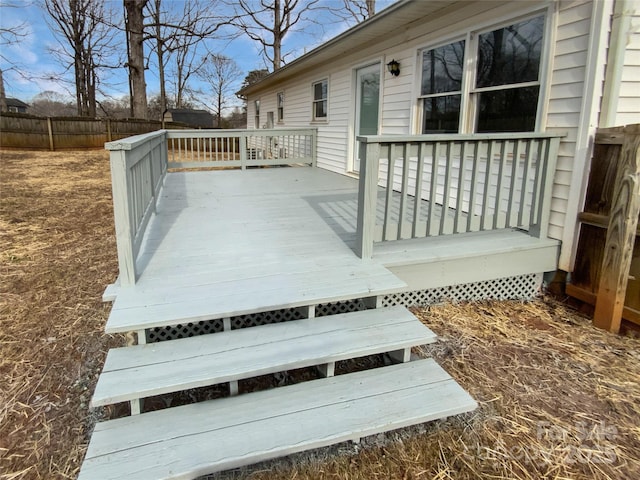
320 94
280 101
257 114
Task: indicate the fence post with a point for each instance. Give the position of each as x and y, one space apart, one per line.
50 129
367 199
621 235
109 139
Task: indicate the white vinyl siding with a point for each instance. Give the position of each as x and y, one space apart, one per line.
565 99
563 90
629 100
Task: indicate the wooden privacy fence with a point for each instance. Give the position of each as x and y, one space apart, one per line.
431 185
607 266
61 133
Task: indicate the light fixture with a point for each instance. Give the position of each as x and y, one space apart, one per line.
394 68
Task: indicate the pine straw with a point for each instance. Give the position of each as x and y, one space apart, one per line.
58 254
558 398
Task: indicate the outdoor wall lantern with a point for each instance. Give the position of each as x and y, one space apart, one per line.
394 68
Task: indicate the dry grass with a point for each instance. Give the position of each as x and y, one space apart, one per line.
558 398
58 254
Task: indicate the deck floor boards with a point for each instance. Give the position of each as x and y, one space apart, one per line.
226 243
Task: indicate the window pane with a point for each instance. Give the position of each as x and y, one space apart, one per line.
320 109
509 110
441 114
442 68
511 54
320 90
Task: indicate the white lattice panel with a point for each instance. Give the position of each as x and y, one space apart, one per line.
160 334
521 287
264 318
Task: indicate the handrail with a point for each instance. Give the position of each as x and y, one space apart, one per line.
414 186
138 169
241 148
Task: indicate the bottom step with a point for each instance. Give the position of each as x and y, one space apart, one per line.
192 440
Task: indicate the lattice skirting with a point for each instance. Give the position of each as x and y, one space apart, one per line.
521 287
160 334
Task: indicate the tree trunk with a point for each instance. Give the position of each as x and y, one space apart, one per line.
277 36
3 98
135 27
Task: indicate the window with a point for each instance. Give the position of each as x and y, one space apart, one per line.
441 89
320 93
256 105
280 105
502 95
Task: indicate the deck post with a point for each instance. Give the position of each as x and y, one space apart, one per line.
122 217
541 228
367 199
243 151
314 147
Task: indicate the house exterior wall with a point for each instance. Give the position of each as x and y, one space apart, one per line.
629 99
571 86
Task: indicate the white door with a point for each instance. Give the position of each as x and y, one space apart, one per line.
367 106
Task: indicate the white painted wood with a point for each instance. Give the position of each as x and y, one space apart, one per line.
198 258
367 199
154 369
185 442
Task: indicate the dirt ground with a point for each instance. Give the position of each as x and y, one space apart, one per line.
557 398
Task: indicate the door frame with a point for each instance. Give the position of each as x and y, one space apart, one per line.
369 67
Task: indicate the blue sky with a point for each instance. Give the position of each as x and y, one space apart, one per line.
34 62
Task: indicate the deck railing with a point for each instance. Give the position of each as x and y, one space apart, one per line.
241 148
138 168
139 165
431 185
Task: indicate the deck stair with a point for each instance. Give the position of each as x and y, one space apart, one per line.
131 373
205 437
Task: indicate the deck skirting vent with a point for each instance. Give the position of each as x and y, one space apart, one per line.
519 287
160 334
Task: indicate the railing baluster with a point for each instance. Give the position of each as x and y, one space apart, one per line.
487 186
512 184
388 206
499 184
461 186
403 190
444 215
417 199
472 190
433 189
523 221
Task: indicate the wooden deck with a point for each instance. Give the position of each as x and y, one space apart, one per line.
234 242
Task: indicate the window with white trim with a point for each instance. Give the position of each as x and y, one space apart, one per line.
488 81
320 96
280 106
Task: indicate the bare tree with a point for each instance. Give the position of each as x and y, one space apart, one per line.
360 10
175 34
221 74
134 26
9 35
268 22
85 43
